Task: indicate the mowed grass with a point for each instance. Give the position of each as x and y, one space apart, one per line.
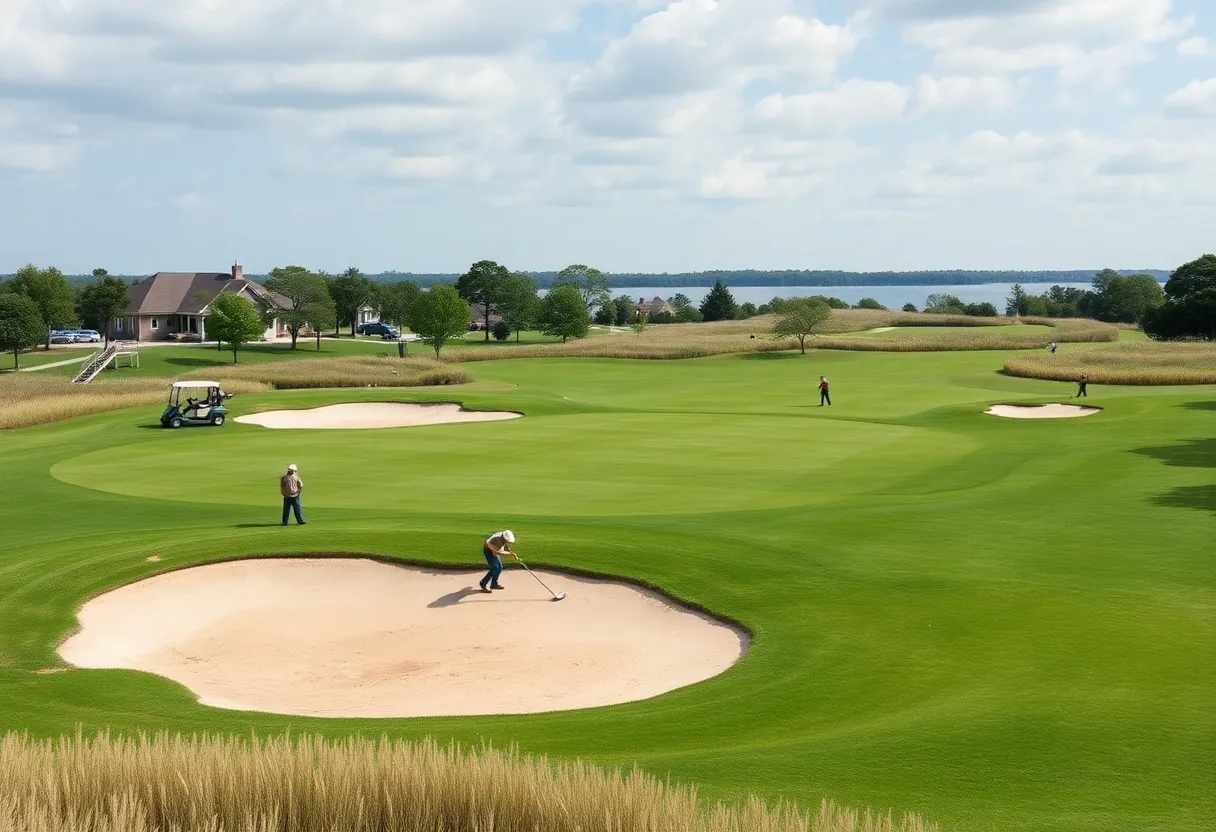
997 624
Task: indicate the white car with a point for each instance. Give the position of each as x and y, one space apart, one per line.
90 335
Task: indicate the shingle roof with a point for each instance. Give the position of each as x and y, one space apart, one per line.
188 293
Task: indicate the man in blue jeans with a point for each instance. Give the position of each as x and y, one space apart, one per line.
290 486
494 548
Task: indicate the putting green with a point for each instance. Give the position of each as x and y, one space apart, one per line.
543 465
1001 624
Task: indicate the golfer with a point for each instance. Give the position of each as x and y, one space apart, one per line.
290 486
493 550
824 393
1082 386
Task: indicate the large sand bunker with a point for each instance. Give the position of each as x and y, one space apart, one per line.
1041 411
358 638
364 415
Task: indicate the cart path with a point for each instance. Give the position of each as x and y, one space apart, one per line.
54 364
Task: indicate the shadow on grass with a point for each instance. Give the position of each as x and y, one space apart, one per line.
1194 453
1201 497
198 362
257 525
770 356
1201 405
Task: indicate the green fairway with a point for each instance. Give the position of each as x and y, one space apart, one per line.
999 624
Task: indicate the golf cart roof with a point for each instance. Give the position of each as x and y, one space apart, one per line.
196 384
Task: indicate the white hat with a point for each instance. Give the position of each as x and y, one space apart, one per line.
508 536
292 467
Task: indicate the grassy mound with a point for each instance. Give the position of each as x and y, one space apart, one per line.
37 398
213 784
1143 363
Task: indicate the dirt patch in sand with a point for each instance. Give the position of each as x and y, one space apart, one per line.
359 638
366 415
1041 411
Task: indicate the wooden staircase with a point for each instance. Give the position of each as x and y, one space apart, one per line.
96 363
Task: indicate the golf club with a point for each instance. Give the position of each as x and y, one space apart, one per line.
557 596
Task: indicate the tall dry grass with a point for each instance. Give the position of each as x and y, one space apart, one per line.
215 784
668 341
354 371
1142 363
34 398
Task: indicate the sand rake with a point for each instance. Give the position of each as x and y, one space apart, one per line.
557 596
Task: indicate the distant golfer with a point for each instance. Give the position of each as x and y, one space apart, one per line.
1052 348
1082 386
495 547
825 395
290 486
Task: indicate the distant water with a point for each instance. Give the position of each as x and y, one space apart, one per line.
892 297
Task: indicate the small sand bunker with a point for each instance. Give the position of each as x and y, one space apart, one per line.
358 638
362 416
1041 411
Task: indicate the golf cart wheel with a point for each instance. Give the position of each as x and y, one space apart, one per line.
217 420
175 422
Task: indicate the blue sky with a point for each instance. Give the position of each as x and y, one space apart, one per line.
635 135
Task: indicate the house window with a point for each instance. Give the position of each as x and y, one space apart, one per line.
154 323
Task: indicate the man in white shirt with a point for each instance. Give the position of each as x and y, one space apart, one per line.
495 547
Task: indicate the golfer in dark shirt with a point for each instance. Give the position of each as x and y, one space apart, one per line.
1082 386
825 396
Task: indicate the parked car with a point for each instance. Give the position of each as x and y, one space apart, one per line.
476 326
63 336
386 331
90 335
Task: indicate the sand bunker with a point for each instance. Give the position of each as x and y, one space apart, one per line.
362 416
357 638
1041 411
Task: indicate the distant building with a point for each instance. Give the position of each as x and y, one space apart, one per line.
174 305
655 307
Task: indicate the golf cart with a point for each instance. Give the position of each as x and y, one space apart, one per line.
203 404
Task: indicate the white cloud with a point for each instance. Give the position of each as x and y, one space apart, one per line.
849 105
190 201
1196 100
1197 47
962 94
1086 42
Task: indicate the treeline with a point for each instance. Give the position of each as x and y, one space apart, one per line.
754 277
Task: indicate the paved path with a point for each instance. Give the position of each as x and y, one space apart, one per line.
38 367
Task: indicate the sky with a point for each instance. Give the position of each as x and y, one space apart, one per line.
631 135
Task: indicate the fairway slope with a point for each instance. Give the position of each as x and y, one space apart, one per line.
367 415
357 638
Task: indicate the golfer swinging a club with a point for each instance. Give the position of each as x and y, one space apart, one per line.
494 549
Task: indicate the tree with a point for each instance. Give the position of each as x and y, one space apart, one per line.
563 313
350 291
502 331
625 311
439 315
396 301
639 326
21 325
800 318
680 301
1128 297
483 284
591 282
234 321
519 304
321 314
719 304
1190 307
940 303
102 302
688 315
51 293
301 289
981 310
909 307
870 303
748 310
1016 303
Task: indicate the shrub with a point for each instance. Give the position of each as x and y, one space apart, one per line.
502 331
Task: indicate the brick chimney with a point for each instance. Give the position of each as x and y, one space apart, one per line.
238 272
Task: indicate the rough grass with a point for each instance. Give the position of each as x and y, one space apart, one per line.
1141 363
214 784
668 341
355 371
34 398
